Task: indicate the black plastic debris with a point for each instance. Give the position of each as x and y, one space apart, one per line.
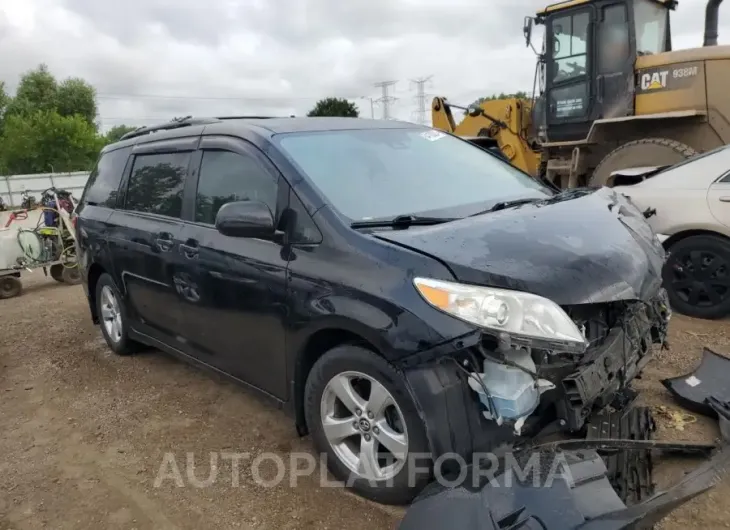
722 409
579 498
629 472
710 379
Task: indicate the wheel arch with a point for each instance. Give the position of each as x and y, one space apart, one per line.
318 342
95 272
689 127
685 234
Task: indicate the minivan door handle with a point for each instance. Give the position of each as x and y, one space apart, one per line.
724 198
190 249
164 242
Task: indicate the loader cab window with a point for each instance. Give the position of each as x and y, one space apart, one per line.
614 45
570 46
568 65
651 21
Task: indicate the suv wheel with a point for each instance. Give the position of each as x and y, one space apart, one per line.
113 316
363 419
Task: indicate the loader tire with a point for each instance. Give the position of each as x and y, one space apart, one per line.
640 153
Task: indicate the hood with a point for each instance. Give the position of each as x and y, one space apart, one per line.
591 249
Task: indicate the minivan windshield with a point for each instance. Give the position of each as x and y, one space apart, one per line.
370 174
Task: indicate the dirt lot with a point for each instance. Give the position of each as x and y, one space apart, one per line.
85 434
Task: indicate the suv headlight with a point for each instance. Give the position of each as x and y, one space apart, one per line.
526 317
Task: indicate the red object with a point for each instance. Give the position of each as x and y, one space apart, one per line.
19 214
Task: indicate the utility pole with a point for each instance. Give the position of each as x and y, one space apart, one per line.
420 85
372 106
385 99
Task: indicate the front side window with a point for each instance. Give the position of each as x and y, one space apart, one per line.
570 46
381 173
229 177
156 183
650 19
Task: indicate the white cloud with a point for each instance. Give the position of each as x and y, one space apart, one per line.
154 59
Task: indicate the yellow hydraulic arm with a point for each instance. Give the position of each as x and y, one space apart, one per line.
506 121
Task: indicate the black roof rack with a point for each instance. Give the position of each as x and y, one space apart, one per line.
188 121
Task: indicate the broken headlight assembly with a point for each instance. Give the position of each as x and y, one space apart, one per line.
527 319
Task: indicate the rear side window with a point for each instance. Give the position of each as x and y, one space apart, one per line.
156 183
227 177
103 184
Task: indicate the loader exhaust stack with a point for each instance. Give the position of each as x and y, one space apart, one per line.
711 22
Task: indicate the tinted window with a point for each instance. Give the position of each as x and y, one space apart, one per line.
227 177
156 183
305 231
613 39
570 39
103 184
374 173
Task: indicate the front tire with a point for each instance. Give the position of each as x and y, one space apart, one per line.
113 317
362 417
697 276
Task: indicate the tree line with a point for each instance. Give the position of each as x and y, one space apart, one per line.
51 126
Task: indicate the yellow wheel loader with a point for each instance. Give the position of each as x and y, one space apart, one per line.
610 94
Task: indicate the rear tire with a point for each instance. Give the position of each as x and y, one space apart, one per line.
113 319
697 276
360 371
640 153
10 286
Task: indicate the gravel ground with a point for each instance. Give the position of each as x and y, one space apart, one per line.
85 434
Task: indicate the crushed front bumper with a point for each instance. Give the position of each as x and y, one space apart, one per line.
453 415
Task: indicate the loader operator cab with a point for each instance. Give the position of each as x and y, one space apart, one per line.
586 68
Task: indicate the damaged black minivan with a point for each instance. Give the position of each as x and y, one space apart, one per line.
400 290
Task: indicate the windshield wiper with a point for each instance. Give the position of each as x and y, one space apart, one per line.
403 221
507 204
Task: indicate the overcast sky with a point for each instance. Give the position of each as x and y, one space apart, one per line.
153 59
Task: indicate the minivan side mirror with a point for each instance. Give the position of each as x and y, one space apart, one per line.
245 219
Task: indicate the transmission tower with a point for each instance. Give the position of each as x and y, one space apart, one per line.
420 85
386 99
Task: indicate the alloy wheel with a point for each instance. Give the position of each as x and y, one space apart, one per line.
110 314
364 426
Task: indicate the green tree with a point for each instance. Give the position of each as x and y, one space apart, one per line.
76 96
519 95
48 126
4 100
37 90
115 133
44 140
334 107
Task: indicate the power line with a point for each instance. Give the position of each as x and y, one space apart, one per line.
213 98
385 99
420 84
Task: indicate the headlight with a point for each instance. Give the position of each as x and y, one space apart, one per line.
522 315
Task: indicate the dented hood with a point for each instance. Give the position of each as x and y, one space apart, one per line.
590 248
